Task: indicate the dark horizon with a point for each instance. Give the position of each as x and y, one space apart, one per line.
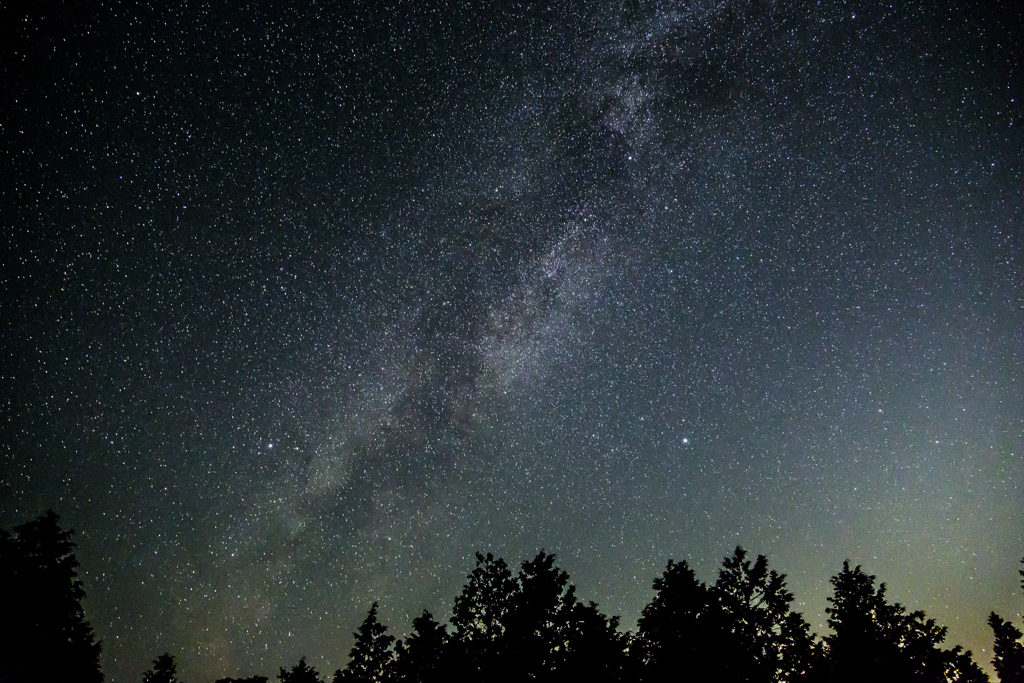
530 624
304 306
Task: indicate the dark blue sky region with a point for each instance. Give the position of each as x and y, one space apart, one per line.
304 305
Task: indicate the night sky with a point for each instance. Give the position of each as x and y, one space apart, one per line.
302 304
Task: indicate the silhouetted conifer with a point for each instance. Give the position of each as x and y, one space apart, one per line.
874 640
479 611
534 634
680 630
594 650
739 629
763 640
531 627
1008 650
164 670
421 658
371 655
479 614
300 673
44 635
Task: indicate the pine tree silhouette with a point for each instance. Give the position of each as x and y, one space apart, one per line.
680 630
878 641
164 670
1008 650
477 648
371 655
300 673
422 657
763 640
44 635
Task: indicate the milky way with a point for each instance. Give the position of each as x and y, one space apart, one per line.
304 306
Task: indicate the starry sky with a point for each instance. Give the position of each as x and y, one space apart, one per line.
302 304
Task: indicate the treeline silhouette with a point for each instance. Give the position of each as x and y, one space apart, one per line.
530 626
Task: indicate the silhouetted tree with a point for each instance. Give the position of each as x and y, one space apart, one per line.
1008 658
739 629
479 611
763 639
164 670
528 627
251 679
532 627
877 641
593 648
421 657
371 655
300 673
534 634
679 631
44 635
479 615
1008 650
